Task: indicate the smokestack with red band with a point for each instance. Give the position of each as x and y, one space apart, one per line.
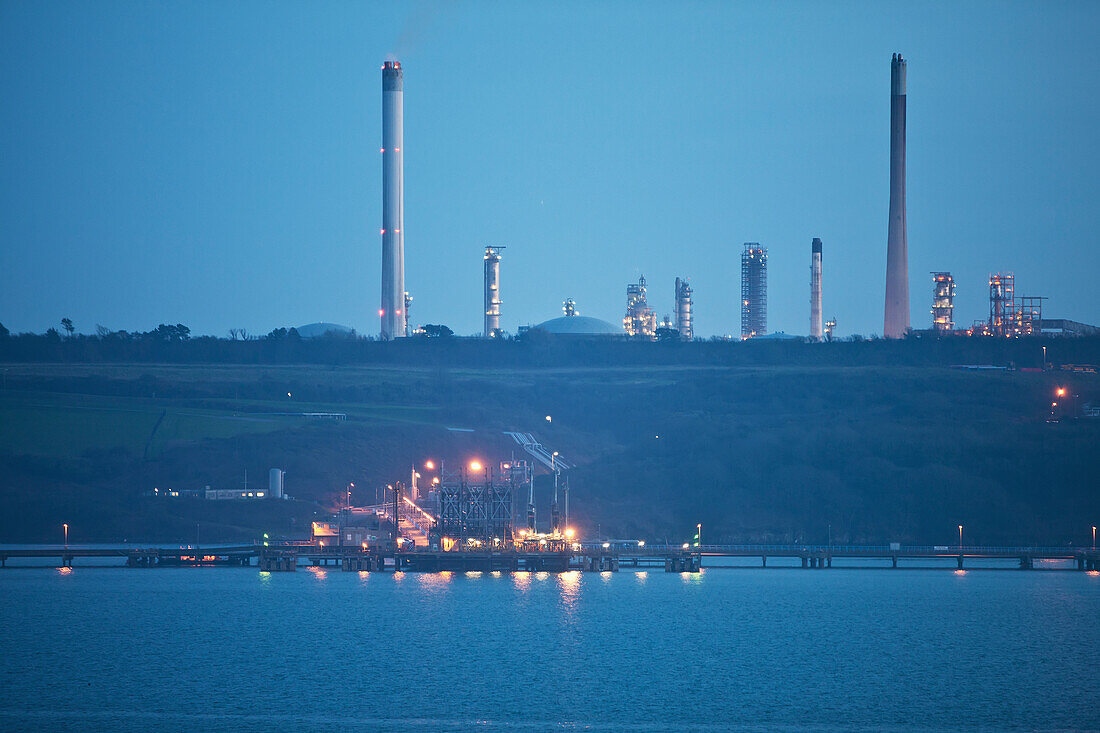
816 332
392 311
896 322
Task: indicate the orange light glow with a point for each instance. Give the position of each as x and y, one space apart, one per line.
475 465
1061 391
569 533
429 465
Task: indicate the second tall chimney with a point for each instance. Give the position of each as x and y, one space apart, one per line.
896 322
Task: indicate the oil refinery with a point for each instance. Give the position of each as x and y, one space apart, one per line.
1009 315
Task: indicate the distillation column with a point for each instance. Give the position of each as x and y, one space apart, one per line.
685 321
492 292
816 329
392 310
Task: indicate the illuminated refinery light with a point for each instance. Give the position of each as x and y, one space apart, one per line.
685 545
606 545
429 465
569 533
641 543
475 465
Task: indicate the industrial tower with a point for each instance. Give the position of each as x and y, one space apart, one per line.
896 322
754 290
943 302
640 320
492 292
685 319
816 328
392 312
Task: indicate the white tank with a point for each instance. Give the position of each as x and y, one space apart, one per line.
275 483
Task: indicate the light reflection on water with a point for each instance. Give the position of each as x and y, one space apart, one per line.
613 653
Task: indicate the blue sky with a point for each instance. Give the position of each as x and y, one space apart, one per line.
217 164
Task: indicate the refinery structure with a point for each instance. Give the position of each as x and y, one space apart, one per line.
754 290
492 292
640 320
685 320
1009 314
816 327
943 302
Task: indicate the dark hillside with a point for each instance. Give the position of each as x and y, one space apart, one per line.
869 453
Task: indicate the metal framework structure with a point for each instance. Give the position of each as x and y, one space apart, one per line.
1027 315
754 290
478 504
1009 315
1001 300
943 302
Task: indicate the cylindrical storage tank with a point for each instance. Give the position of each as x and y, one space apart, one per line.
275 483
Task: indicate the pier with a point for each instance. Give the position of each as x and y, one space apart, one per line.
287 556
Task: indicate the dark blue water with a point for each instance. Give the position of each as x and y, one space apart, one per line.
234 649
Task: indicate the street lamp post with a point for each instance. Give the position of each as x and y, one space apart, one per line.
960 538
554 518
1094 536
66 526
